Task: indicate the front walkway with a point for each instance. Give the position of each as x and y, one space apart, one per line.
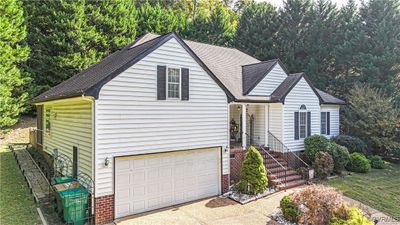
215 210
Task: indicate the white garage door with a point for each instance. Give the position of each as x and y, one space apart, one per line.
149 182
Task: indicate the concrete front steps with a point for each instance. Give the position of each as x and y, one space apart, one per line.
276 173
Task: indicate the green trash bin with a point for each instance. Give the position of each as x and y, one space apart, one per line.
63 179
75 202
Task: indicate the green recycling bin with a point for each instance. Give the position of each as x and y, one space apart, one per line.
75 202
63 179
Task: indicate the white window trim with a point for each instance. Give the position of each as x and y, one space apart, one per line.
180 84
300 110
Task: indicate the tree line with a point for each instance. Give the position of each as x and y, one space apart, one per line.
43 43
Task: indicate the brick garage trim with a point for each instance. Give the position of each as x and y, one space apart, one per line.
225 183
236 160
104 209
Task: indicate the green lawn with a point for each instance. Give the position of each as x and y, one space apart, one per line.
16 203
379 189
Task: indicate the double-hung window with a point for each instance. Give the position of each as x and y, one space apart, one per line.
48 120
303 124
325 123
174 83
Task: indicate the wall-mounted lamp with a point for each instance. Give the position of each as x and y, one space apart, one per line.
226 149
107 161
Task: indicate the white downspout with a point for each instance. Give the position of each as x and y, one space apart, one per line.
92 99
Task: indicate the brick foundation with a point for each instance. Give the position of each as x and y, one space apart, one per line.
225 183
236 160
104 209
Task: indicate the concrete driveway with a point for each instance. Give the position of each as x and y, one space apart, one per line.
215 210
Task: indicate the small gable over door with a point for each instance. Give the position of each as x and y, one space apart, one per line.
270 82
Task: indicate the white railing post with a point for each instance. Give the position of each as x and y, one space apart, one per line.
244 125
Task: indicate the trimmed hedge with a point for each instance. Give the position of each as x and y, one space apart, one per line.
358 163
314 144
340 155
289 210
377 162
353 144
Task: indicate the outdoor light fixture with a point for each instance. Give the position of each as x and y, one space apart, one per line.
106 161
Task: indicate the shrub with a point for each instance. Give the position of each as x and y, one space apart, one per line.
350 216
323 164
377 162
253 176
358 163
303 172
340 156
314 144
353 144
289 210
320 202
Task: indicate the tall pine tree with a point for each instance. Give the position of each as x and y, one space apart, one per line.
115 21
61 41
156 19
380 52
256 30
216 25
13 52
344 71
294 20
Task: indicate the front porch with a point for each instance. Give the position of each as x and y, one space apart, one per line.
260 125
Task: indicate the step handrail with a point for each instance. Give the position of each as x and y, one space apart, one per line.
284 168
285 149
265 151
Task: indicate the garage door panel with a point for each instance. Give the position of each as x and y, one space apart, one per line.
123 209
123 165
138 206
155 181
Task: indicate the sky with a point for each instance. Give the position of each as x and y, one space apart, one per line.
279 3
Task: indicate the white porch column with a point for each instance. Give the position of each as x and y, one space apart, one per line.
244 125
266 124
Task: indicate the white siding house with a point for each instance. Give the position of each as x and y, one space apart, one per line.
270 82
301 94
131 121
151 122
68 123
334 119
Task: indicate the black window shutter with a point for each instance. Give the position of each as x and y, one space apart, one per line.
161 82
322 116
308 124
296 125
74 161
328 123
185 84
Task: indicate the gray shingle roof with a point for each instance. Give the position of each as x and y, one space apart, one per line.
284 88
252 74
225 65
329 99
85 82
